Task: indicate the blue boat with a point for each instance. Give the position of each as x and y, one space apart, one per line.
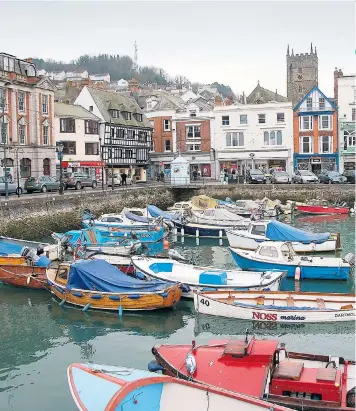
97 387
275 255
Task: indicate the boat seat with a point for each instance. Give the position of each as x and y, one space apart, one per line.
289 370
320 302
235 348
290 301
260 300
326 374
347 307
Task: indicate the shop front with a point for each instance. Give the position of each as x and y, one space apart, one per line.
316 162
347 140
92 168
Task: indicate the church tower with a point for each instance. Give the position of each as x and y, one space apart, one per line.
302 73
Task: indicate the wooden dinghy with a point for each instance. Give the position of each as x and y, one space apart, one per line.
19 272
108 388
205 278
96 284
264 369
278 306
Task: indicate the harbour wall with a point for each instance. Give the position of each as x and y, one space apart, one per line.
37 217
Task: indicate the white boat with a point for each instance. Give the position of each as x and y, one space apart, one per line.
96 387
128 220
124 248
205 278
285 307
302 241
218 216
277 255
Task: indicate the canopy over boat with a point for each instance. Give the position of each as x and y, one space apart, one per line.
134 217
277 231
154 211
204 202
98 275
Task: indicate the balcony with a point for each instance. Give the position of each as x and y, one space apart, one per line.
315 108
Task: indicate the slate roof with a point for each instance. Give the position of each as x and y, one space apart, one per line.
261 95
67 94
166 101
73 111
110 100
203 104
207 94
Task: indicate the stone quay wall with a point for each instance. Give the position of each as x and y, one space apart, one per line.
36 218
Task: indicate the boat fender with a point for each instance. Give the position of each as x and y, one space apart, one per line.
140 275
163 295
153 366
28 279
86 308
190 364
297 274
185 288
120 311
350 398
134 296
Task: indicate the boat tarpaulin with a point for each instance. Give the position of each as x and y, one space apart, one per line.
98 275
157 212
8 248
134 217
277 231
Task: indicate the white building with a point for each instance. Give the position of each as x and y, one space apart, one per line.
76 75
123 84
100 78
57 75
188 95
78 130
347 121
41 72
253 135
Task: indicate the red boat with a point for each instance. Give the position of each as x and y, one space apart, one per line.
263 369
321 207
16 272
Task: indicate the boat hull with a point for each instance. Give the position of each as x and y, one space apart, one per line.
23 276
248 243
228 305
140 301
306 272
311 209
145 236
202 230
15 245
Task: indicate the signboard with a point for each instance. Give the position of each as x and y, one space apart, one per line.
315 160
74 164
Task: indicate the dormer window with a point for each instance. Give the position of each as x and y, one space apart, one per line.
115 113
9 64
127 115
192 113
138 117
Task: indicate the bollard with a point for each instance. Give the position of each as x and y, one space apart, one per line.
197 233
220 233
182 231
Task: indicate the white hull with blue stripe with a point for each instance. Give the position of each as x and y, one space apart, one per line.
196 278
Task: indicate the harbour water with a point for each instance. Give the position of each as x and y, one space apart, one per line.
39 339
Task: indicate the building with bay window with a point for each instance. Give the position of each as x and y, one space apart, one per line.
253 136
315 133
78 130
125 132
26 119
346 92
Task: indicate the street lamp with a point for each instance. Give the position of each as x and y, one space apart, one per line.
60 147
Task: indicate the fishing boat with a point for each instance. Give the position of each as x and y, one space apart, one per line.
264 369
219 217
204 278
127 221
14 246
277 306
317 206
96 284
25 271
302 241
121 388
278 255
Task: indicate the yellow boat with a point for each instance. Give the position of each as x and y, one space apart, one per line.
96 284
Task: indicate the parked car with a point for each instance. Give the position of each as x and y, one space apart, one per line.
304 176
280 177
350 176
42 183
256 176
331 177
118 180
11 187
79 180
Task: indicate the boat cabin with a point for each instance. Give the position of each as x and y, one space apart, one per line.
319 203
275 250
183 205
257 229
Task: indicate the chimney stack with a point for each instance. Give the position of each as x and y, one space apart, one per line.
337 75
218 100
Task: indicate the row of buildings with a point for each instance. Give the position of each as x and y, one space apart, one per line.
142 131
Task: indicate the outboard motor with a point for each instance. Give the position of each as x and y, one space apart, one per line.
30 254
175 255
134 235
40 250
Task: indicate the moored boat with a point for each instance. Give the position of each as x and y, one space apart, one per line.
277 255
121 388
99 285
219 217
302 241
287 307
205 278
264 369
322 207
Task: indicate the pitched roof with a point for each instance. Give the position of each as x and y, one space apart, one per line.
166 101
67 93
203 104
74 111
110 100
330 100
261 95
207 94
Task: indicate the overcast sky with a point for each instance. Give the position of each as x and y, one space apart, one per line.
235 43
